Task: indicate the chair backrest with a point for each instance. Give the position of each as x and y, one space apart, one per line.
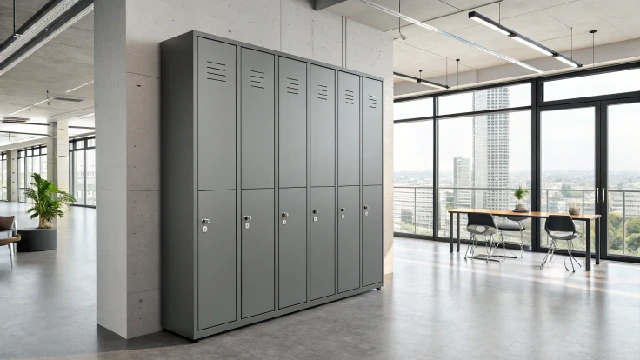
481 219
6 222
559 223
517 218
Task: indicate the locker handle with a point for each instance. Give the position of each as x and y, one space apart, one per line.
206 221
247 218
366 207
285 214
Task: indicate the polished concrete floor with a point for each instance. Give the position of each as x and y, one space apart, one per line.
435 306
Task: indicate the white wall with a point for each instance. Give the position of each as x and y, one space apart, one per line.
129 183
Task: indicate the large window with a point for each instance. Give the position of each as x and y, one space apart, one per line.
82 170
474 148
30 161
4 179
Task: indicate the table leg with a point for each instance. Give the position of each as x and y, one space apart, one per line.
458 232
450 232
587 255
598 241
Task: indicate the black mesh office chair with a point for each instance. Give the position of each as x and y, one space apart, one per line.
560 227
483 224
514 224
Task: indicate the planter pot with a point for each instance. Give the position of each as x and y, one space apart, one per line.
38 240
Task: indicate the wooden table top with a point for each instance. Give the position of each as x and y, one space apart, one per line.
532 214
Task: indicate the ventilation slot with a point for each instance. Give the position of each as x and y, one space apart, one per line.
293 87
373 102
216 71
323 92
256 79
349 97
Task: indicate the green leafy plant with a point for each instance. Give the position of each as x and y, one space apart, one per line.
48 201
520 192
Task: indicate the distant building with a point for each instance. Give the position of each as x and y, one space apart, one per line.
461 179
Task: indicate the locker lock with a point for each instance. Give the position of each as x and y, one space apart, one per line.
248 218
366 207
342 209
315 211
285 214
206 221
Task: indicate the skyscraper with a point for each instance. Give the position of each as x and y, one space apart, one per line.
491 149
461 179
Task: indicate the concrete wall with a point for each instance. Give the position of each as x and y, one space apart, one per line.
128 33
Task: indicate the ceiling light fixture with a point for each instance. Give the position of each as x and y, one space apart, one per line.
450 35
420 80
51 21
14 120
477 17
79 87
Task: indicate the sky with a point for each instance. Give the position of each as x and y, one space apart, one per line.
567 136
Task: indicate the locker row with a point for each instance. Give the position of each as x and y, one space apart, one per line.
302 115
342 252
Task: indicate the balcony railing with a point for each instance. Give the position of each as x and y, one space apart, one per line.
413 211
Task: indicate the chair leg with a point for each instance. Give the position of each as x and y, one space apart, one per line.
10 256
571 258
468 247
521 244
547 257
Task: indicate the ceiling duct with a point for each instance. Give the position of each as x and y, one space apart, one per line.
14 120
67 98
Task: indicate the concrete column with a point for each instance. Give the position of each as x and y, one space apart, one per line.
12 175
127 95
58 154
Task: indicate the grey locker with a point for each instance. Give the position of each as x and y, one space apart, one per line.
216 111
258 252
322 124
348 129
348 238
372 240
258 119
292 123
322 243
371 132
216 258
292 247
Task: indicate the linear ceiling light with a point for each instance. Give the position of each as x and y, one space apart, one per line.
49 25
421 81
475 16
448 34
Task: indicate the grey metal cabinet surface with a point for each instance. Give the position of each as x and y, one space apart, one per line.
216 111
292 123
248 131
372 212
322 123
292 247
322 243
258 119
348 129
371 132
348 238
216 257
258 252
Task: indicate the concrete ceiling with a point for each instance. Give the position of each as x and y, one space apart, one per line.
545 21
60 66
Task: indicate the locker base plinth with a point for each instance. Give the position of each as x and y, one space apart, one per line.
200 334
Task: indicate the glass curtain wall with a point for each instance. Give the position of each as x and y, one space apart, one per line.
82 169
3 180
472 149
30 161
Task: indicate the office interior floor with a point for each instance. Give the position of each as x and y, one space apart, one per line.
435 306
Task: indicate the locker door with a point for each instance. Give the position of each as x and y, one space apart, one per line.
258 119
322 243
322 123
348 238
216 115
292 247
372 132
216 258
348 129
258 252
292 123
372 234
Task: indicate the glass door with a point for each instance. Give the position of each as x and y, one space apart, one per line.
622 178
569 170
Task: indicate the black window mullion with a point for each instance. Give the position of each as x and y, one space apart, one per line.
435 187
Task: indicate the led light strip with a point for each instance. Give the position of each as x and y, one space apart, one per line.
37 28
481 19
421 81
79 87
448 34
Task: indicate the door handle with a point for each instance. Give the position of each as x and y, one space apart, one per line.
206 221
597 195
603 194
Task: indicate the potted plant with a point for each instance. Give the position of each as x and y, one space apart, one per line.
574 209
520 193
48 204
